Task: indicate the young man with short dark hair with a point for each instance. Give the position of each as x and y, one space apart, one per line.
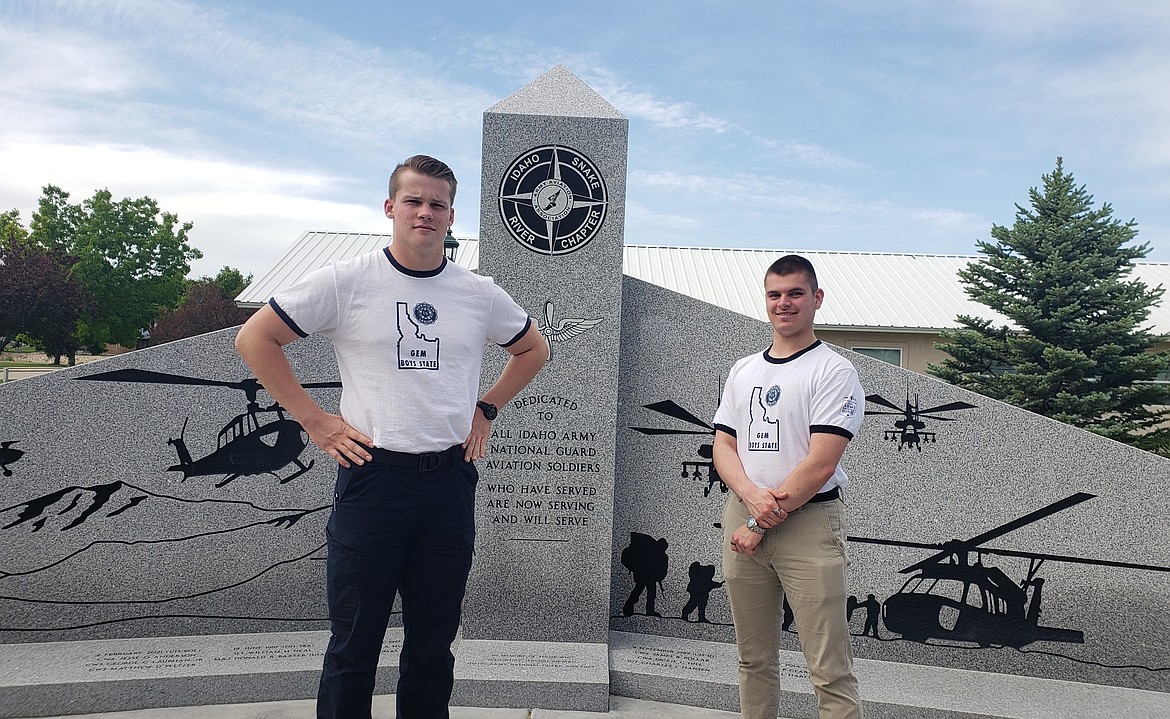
783 423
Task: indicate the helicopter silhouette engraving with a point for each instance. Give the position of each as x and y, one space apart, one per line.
949 598
247 445
690 469
910 430
9 456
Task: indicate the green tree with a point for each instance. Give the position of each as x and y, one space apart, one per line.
1079 351
11 230
132 257
231 281
54 224
207 306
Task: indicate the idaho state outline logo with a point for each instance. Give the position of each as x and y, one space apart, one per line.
553 200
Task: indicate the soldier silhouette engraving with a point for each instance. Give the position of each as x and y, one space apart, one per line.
700 587
647 560
873 612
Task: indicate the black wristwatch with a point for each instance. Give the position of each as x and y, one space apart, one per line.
489 410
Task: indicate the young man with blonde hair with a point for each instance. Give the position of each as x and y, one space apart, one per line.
409 329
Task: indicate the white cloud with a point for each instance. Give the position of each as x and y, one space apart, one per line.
1120 96
640 216
808 214
1041 21
747 192
243 215
223 118
669 114
520 61
293 74
807 154
68 62
1101 68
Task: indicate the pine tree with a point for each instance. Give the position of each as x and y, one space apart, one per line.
1078 349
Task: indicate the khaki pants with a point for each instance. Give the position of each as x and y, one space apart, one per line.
804 559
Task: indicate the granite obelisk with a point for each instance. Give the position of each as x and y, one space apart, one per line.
551 232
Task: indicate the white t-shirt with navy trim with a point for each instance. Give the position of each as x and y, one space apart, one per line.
773 406
409 344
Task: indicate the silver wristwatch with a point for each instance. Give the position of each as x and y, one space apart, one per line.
755 527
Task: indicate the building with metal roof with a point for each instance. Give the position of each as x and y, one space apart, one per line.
884 304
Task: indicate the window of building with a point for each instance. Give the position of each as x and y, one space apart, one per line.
893 355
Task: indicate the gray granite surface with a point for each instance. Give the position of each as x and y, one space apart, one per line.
557 92
73 677
130 514
553 675
551 234
675 670
1083 514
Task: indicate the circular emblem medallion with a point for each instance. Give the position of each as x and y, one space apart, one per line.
425 313
553 200
773 395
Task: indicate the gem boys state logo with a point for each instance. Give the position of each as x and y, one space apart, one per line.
553 200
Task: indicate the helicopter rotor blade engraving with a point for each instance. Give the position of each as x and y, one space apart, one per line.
973 543
672 409
878 399
146 376
951 407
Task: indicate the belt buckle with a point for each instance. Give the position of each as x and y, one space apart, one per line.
429 461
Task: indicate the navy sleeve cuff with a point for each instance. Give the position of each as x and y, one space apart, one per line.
287 320
725 429
519 334
830 429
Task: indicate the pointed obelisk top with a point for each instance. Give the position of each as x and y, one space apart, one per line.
557 92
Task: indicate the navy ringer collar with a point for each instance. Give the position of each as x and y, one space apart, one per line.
413 273
806 350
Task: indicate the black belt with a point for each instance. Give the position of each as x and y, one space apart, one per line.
826 496
423 462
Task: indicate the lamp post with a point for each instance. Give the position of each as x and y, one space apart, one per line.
450 245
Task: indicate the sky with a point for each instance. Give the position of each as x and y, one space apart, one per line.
908 126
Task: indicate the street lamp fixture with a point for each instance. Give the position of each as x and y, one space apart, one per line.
450 245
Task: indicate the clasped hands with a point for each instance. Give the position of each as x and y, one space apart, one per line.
764 505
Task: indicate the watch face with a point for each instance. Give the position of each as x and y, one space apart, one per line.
489 410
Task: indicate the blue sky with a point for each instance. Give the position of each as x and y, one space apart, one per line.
900 126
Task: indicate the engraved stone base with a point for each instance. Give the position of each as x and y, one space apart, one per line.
60 678
546 675
695 673
54 678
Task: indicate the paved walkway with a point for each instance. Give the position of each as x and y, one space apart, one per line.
619 708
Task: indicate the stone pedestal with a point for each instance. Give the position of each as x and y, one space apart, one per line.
551 233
